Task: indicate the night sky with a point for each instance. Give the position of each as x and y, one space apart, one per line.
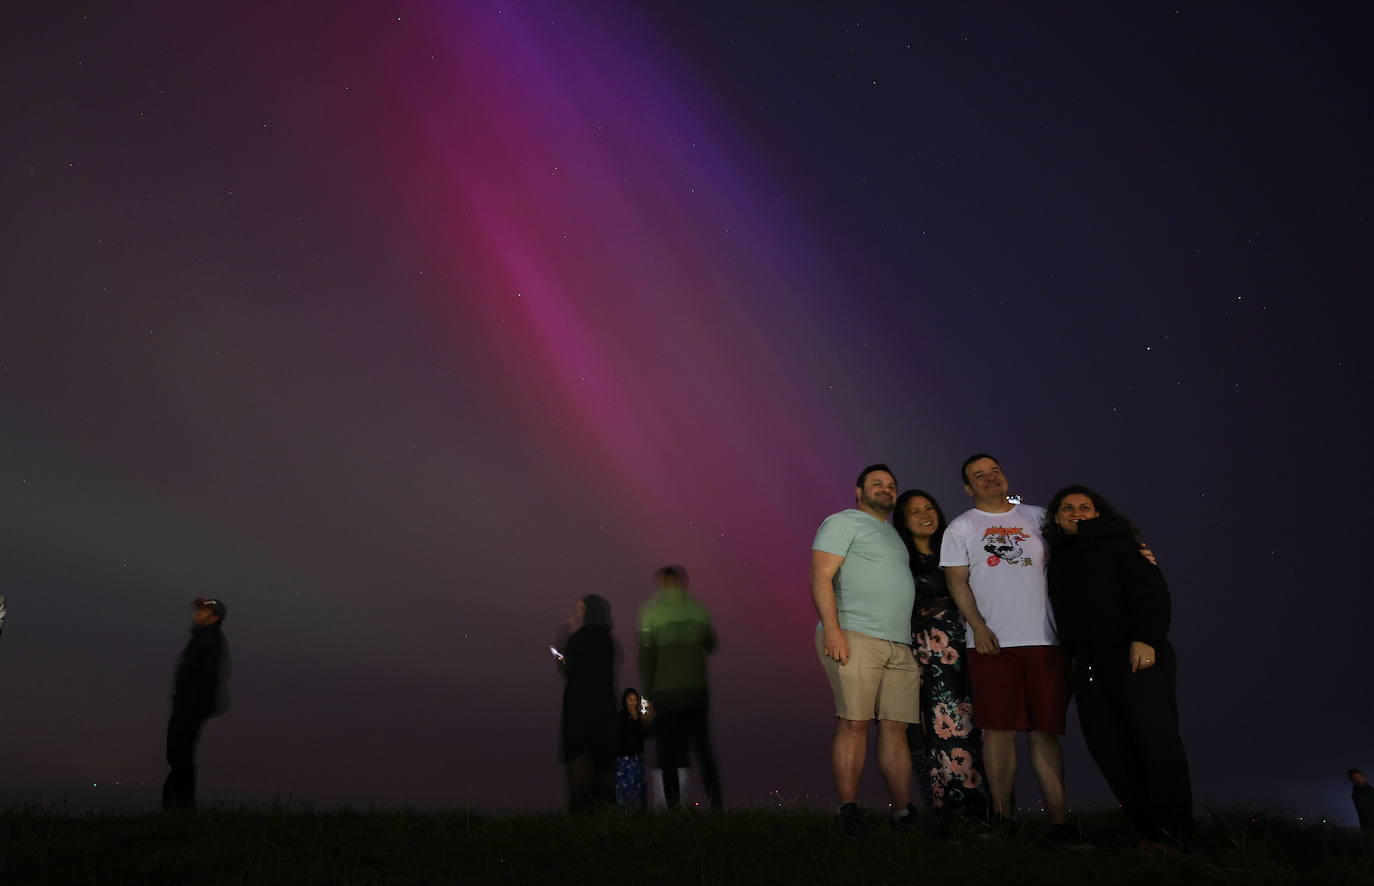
400 326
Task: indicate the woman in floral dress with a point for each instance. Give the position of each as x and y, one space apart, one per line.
950 765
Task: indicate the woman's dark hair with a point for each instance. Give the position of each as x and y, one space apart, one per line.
899 521
1053 534
598 611
625 696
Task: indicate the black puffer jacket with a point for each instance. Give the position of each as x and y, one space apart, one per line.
1104 593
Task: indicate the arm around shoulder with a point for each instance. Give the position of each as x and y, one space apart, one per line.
1147 598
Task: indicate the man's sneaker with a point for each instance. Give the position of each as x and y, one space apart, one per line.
906 820
851 820
1067 836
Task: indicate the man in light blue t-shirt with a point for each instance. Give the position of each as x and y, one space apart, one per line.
862 587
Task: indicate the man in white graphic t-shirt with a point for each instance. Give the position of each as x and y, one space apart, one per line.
994 561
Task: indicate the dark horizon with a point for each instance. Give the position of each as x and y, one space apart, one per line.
399 327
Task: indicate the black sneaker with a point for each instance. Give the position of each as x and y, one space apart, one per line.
851 820
907 820
1067 836
1003 826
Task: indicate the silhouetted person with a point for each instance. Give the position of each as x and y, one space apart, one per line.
675 636
197 695
588 723
1363 795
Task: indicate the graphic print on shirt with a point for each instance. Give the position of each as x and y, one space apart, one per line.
1003 544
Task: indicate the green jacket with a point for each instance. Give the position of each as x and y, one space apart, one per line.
675 635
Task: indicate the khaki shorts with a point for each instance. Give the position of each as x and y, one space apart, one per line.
881 680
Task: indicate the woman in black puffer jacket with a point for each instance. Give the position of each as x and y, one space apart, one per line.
1111 608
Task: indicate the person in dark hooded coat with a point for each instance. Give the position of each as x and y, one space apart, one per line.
1112 611
588 725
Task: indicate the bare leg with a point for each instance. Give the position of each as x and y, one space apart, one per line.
999 757
1047 761
894 762
847 757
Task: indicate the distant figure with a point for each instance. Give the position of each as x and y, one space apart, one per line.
1112 609
1363 795
675 636
198 694
636 719
862 589
947 749
587 726
994 560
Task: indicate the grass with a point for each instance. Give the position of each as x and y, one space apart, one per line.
758 846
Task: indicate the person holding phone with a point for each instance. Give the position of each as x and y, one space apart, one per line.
993 556
587 725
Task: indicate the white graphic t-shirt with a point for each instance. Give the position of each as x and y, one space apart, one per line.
1005 554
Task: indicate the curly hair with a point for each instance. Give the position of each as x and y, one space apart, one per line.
1054 535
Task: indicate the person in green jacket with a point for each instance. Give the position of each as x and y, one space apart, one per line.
675 636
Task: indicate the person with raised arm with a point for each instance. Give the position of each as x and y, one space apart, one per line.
994 560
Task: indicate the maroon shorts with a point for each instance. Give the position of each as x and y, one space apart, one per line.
1021 687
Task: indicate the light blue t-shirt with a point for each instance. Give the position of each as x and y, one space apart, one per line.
874 591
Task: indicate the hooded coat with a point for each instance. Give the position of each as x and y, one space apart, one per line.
1104 593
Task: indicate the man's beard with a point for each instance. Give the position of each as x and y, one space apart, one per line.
883 506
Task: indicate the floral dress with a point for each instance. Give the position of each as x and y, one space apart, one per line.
953 758
630 788
629 782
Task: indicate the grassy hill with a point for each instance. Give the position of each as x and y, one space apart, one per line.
265 846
